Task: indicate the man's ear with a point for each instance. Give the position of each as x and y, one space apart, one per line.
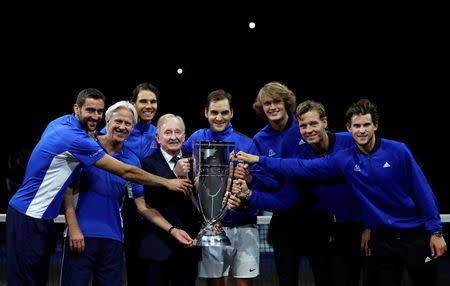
206 112
76 110
348 127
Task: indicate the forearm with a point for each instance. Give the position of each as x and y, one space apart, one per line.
130 172
139 176
152 214
293 169
69 210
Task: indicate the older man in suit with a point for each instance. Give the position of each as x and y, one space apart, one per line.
166 261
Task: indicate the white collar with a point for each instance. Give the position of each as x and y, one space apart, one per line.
169 157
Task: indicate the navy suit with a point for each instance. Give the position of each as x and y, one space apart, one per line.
164 259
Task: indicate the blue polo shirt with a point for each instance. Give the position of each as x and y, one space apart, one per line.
100 197
63 146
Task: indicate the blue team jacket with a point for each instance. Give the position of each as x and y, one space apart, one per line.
392 190
334 196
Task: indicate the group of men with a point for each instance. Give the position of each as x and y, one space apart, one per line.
333 196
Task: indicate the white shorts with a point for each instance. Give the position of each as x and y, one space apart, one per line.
242 256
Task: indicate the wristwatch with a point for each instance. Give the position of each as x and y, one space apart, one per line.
438 233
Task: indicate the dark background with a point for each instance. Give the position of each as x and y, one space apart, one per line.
395 56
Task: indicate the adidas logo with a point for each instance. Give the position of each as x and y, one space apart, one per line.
154 145
301 142
386 165
271 153
357 168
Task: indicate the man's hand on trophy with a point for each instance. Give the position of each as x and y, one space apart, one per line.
180 185
234 202
240 189
217 228
182 168
182 237
242 171
248 158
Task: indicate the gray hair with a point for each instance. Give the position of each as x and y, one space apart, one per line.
121 104
166 116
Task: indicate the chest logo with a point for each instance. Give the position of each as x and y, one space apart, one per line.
301 142
271 153
386 165
357 168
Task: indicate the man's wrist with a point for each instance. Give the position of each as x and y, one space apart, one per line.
247 196
171 228
438 233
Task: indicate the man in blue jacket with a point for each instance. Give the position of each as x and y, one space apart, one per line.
94 239
281 138
334 196
142 142
396 200
64 146
240 225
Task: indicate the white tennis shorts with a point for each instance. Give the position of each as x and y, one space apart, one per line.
241 258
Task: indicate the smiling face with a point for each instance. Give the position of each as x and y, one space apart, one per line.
312 128
219 114
274 109
120 125
90 113
171 136
363 131
146 105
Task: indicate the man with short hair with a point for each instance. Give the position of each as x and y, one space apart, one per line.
334 196
94 239
242 257
163 260
142 142
142 139
63 147
397 203
281 138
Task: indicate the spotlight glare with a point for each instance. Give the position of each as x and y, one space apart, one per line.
252 25
179 71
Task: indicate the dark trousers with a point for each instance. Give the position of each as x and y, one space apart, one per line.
347 259
29 244
392 252
131 239
308 235
102 259
180 269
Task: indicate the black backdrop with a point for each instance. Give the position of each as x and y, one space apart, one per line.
396 57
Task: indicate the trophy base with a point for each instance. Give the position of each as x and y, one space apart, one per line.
213 240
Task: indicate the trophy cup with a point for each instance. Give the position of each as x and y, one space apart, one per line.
213 168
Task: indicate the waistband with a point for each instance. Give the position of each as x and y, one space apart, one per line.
398 233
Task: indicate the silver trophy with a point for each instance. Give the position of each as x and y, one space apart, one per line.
213 171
